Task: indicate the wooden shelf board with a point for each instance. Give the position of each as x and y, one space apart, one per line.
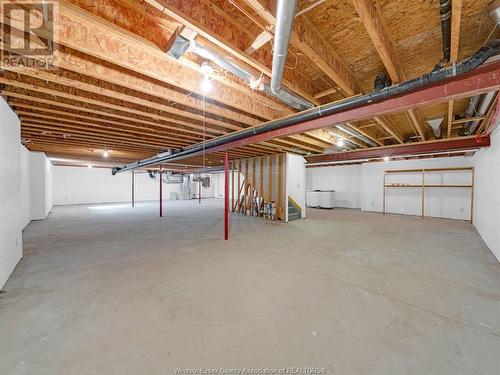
429 170
429 186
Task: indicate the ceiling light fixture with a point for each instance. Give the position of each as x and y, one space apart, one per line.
89 165
206 85
207 70
105 153
340 142
387 158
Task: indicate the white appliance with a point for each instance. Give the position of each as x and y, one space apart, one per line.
321 198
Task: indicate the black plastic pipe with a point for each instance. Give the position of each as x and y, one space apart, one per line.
490 49
445 16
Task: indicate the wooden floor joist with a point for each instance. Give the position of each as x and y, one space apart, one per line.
117 87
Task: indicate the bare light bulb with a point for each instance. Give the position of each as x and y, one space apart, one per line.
387 158
340 142
105 153
89 165
206 85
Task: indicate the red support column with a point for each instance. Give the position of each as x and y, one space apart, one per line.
133 188
226 196
161 193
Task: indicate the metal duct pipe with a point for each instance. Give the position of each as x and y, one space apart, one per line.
285 15
356 134
287 97
490 49
493 11
445 15
481 109
471 108
221 61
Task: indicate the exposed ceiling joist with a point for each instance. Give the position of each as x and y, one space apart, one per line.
310 42
377 31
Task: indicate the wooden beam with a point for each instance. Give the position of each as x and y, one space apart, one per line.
84 32
77 131
341 134
261 39
373 21
389 128
327 92
105 104
179 116
367 135
102 115
261 176
48 113
416 120
450 118
278 187
323 135
456 18
93 127
312 44
269 190
88 66
211 22
232 185
375 27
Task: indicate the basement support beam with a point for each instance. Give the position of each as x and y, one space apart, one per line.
479 81
453 144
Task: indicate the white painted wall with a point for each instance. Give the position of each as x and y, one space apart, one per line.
40 180
11 222
345 180
25 187
76 185
295 182
361 186
445 203
487 202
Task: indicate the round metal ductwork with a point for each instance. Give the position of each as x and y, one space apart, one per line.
493 11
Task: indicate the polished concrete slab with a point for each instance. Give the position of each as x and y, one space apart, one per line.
114 290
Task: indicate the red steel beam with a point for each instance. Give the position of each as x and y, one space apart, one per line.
451 144
483 79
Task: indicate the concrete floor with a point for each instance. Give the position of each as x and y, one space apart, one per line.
115 290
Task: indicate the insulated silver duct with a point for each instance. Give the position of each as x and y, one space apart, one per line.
435 124
482 107
493 11
354 133
181 45
285 14
221 61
